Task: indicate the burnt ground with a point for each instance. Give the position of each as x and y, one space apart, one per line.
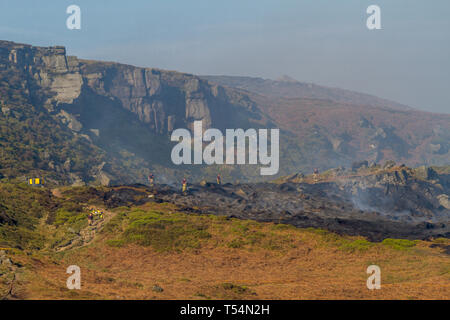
408 211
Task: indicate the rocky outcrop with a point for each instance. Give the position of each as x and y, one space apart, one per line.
162 99
122 111
49 67
396 192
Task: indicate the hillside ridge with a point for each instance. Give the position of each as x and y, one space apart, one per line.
116 120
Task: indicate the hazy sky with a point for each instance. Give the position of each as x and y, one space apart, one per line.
324 42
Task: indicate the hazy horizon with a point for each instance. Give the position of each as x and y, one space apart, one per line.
318 42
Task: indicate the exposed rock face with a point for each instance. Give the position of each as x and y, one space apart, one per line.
125 111
145 91
161 99
49 67
128 112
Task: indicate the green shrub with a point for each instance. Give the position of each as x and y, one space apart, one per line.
356 245
164 232
66 217
398 244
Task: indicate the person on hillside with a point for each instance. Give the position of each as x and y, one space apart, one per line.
219 179
151 179
90 218
316 175
184 185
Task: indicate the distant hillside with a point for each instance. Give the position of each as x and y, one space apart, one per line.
336 127
286 87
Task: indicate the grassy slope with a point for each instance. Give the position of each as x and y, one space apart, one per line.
204 257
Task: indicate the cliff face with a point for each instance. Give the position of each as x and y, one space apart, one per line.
127 112
161 99
123 112
43 68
